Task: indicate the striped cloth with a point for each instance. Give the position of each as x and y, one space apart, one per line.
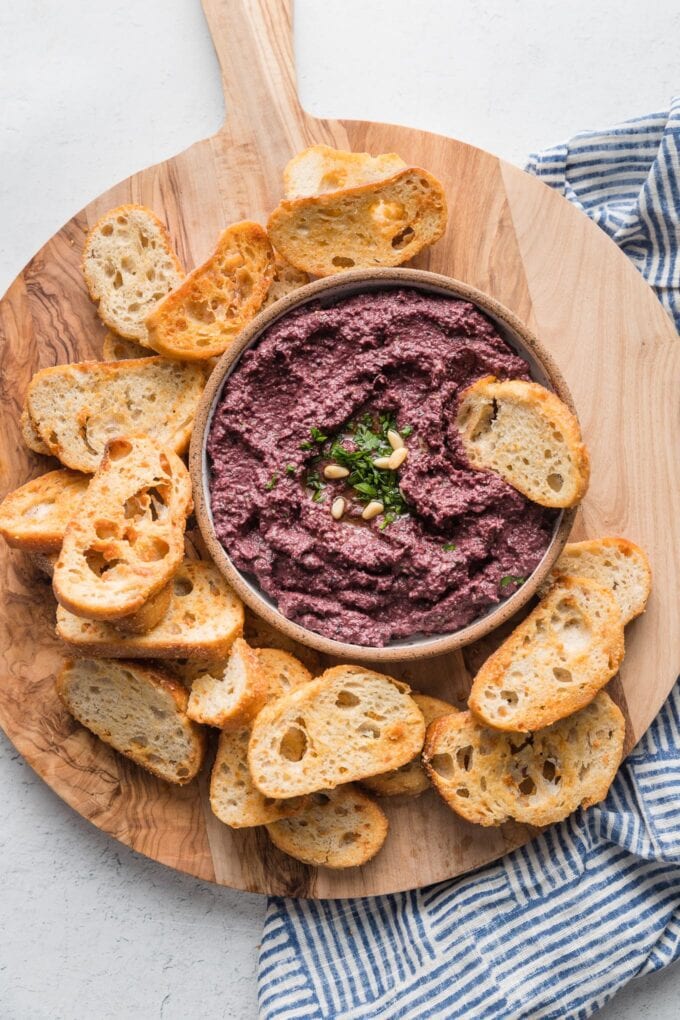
557 927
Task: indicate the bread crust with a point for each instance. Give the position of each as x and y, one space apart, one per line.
613 562
554 662
203 316
382 223
34 517
320 169
495 439
489 777
126 540
214 701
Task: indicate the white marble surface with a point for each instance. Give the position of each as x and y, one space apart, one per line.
89 93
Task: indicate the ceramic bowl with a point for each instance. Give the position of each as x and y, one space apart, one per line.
543 370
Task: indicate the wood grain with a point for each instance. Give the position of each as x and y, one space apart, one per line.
508 235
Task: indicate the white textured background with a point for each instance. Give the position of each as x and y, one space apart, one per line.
89 93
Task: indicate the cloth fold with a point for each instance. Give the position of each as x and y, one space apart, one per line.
554 929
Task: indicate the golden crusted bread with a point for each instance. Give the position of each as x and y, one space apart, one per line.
529 437
30 434
127 539
117 348
340 828
204 619
230 697
34 517
203 316
616 564
77 409
286 279
409 780
489 777
348 724
260 634
233 797
138 710
320 168
149 615
129 264
554 662
383 223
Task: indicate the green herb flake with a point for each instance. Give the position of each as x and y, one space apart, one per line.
511 579
306 445
449 547
317 435
405 431
290 469
272 481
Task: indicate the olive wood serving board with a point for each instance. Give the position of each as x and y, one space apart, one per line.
508 235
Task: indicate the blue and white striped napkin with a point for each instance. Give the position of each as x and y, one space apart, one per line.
557 927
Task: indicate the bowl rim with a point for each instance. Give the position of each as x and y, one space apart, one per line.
520 337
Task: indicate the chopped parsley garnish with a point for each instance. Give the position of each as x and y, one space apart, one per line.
306 445
405 431
272 481
449 547
511 579
355 448
290 469
315 483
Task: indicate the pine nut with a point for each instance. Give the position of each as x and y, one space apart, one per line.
338 508
335 471
374 508
382 462
397 458
395 440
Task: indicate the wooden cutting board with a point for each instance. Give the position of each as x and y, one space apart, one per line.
509 235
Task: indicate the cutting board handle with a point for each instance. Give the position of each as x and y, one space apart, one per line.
254 44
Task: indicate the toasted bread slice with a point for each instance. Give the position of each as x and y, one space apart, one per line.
233 797
30 434
150 614
127 539
348 724
383 223
489 777
230 698
139 711
204 619
208 311
260 634
527 435
129 264
339 828
117 348
77 409
320 169
286 279
554 662
616 564
410 780
34 517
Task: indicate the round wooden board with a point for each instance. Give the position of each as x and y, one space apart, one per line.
508 235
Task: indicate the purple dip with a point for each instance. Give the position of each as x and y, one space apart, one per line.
398 351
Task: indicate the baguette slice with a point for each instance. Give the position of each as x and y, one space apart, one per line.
229 698
348 724
204 619
320 169
117 348
129 264
488 777
233 797
286 279
410 780
203 316
139 711
554 662
383 223
34 517
340 828
529 437
30 434
77 409
616 564
150 614
127 539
